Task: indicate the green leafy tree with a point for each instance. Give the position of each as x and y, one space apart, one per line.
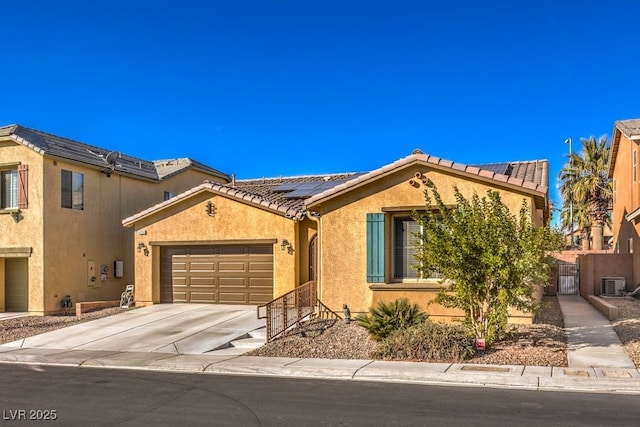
585 186
491 259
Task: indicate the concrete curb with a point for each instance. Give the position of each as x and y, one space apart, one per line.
594 380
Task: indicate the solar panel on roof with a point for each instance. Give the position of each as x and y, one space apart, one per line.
288 186
501 168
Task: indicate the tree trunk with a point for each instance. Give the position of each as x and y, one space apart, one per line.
585 240
597 236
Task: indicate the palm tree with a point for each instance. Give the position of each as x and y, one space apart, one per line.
584 181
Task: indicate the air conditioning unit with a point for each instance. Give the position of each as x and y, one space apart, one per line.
613 286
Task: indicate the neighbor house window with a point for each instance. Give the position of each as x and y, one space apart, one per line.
72 190
168 195
9 189
14 180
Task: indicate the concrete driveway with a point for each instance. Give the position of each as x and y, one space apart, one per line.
160 328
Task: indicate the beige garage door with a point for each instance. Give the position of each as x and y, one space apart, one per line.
16 286
233 274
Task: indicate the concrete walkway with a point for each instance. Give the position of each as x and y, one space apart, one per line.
591 339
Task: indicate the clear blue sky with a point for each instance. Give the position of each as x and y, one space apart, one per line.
287 87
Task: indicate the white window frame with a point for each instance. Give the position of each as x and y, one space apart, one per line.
394 244
9 188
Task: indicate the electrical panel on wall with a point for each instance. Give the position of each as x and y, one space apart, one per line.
118 268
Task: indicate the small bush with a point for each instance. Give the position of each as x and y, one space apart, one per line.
389 317
429 342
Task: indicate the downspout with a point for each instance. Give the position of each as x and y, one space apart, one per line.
318 251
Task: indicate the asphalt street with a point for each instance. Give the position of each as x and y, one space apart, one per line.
35 394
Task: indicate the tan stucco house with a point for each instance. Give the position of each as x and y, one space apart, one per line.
62 203
251 240
625 175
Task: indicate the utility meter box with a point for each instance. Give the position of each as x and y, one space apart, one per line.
118 268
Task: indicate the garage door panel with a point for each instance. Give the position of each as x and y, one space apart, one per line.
202 297
228 266
202 266
224 274
236 282
260 266
179 281
233 297
258 298
202 281
260 282
179 266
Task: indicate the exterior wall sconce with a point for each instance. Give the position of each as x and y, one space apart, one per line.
210 208
286 245
16 216
143 247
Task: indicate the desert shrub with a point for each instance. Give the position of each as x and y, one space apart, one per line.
389 317
428 341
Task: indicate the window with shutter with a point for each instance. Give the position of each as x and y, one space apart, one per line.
405 247
9 189
375 248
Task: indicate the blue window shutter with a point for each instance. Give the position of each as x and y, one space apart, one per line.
375 248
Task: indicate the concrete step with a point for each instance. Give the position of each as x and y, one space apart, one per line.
259 333
248 343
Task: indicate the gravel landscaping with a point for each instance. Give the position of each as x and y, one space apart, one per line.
540 344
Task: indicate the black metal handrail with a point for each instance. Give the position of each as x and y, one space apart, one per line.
289 309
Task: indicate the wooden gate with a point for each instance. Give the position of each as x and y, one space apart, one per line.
568 283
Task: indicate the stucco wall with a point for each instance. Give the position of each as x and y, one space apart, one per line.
27 231
64 241
626 201
593 267
187 222
343 237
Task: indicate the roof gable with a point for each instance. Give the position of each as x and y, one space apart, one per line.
630 129
97 157
532 176
282 195
263 193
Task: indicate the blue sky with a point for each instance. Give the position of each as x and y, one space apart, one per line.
287 87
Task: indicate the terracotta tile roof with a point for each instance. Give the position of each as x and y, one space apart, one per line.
536 171
68 149
262 193
532 175
277 194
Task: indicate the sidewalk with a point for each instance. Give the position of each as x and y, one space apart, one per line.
597 363
591 339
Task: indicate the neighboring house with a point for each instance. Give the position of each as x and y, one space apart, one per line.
252 240
61 208
625 175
